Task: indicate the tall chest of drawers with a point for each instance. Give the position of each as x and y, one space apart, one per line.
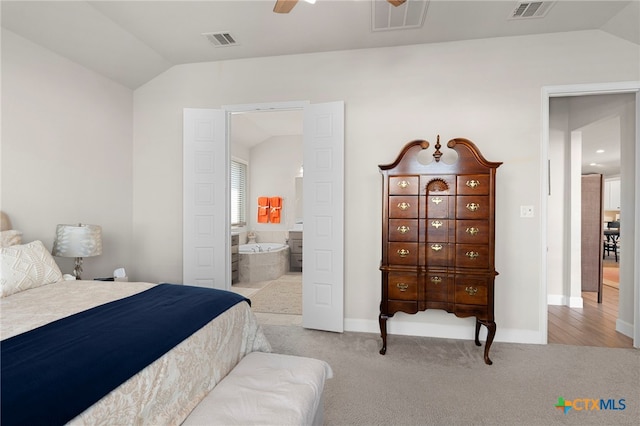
438 235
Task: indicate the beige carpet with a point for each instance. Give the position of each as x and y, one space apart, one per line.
282 296
429 381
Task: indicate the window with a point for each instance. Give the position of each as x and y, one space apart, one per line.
238 193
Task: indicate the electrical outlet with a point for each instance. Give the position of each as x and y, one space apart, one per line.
526 211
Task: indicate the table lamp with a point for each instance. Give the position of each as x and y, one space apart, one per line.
77 241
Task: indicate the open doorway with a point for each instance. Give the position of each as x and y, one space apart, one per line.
268 264
207 249
584 135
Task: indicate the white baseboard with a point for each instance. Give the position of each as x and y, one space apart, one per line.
624 328
576 302
556 300
561 300
447 331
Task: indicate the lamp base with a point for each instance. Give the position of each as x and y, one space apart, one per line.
78 268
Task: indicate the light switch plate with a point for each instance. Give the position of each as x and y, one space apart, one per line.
526 211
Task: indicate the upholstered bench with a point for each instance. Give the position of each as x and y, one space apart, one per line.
266 388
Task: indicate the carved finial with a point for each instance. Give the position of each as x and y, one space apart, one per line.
437 154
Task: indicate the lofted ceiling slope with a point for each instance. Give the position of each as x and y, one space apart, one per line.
131 42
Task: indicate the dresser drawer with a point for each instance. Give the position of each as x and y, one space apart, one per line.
438 254
402 286
471 291
439 230
437 206
472 231
403 230
403 206
401 253
472 207
472 256
404 185
473 184
437 287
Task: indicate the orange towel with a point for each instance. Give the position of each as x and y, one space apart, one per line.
276 208
263 209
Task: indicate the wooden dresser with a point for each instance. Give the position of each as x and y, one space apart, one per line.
438 235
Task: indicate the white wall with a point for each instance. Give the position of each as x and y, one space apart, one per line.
486 90
273 167
66 151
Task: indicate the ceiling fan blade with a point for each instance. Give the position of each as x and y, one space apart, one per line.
396 2
284 6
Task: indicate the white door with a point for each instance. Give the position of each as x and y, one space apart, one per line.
323 204
206 258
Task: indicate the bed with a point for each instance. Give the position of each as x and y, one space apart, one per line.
164 392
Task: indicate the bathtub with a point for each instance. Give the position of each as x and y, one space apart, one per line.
261 247
262 262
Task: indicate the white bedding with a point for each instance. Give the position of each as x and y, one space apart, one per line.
166 391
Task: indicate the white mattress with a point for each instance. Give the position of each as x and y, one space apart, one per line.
167 390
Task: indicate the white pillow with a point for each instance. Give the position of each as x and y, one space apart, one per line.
10 238
26 266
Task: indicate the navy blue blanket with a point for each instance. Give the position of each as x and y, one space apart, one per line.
51 374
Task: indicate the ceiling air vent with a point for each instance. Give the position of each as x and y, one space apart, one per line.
410 14
531 9
221 39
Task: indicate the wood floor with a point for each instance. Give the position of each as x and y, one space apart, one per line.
593 325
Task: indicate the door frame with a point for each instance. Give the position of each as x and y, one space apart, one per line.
581 90
282 106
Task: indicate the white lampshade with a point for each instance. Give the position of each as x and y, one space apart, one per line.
78 241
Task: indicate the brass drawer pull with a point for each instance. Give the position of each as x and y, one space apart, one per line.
403 184
436 280
472 183
403 229
473 206
436 224
436 247
436 200
471 291
404 206
472 230
472 254
403 252
402 286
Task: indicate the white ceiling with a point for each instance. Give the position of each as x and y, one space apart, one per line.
250 129
601 147
131 42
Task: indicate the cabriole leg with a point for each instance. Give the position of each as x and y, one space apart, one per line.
491 327
382 319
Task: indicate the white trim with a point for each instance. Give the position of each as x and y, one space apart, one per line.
548 92
556 300
463 332
576 302
624 328
269 106
635 331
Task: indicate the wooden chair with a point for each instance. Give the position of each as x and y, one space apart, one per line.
611 240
